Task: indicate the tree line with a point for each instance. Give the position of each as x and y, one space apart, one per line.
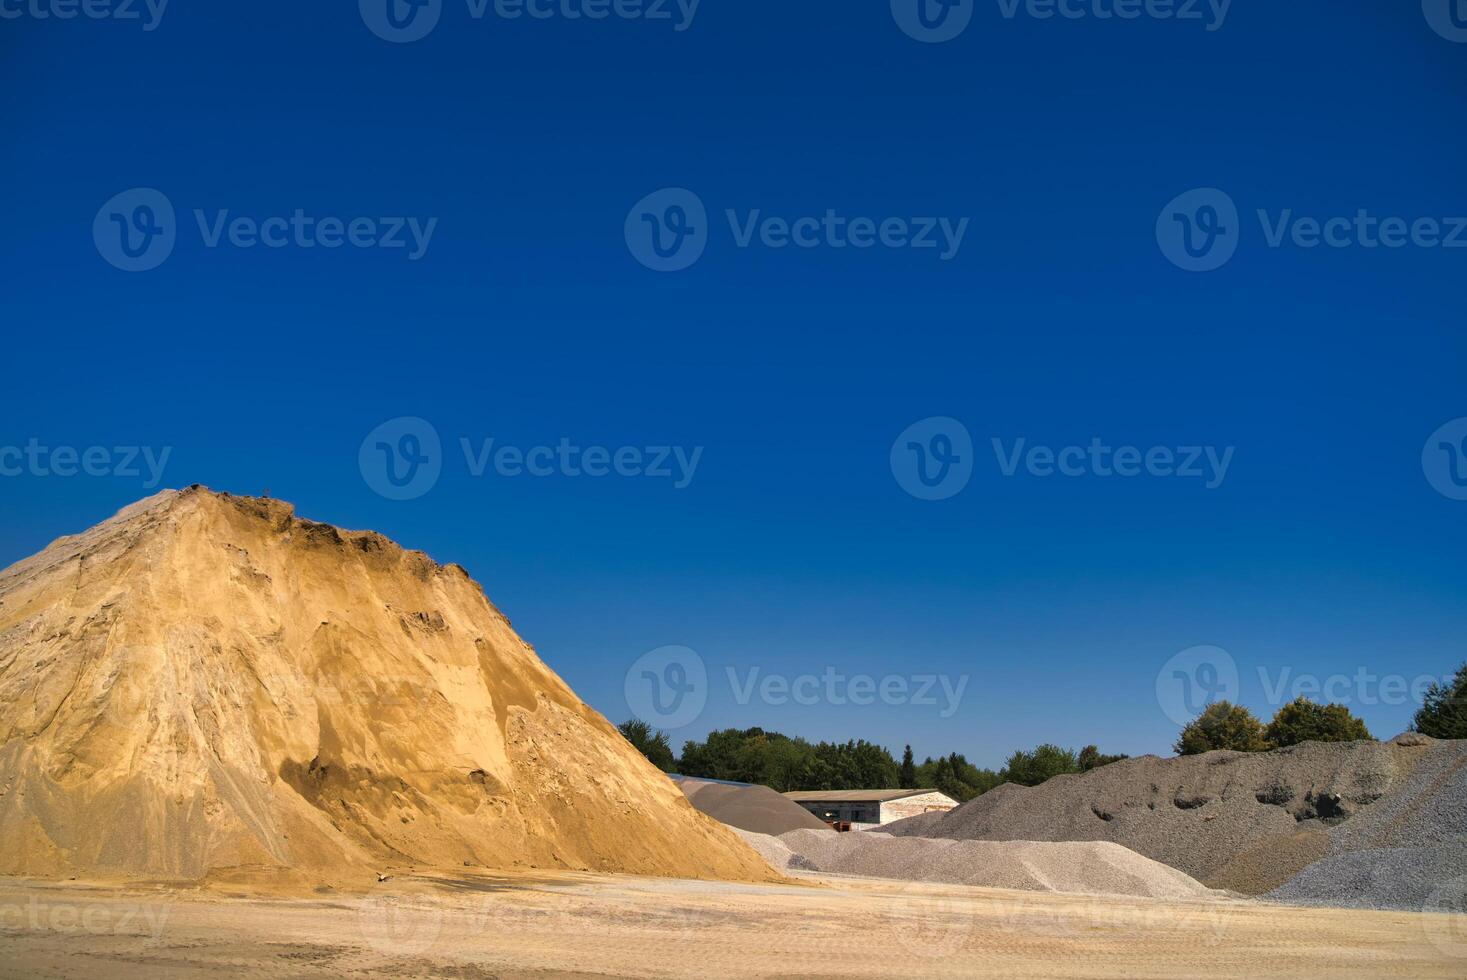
786 764
1224 725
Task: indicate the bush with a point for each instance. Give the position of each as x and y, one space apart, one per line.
1223 725
957 777
1045 762
1091 758
1302 720
651 743
1443 711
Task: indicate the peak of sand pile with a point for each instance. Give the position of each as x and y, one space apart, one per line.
206 685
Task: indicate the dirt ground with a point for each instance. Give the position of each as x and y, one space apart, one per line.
581 925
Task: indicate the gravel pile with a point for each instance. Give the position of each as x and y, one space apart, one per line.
757 809
1400 851
776 852
1242 821
1094 868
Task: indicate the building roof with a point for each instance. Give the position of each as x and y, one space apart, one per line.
855 795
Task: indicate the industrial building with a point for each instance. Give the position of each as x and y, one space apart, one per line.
871 807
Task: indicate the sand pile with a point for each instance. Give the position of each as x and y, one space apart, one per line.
758 809
1096 868
205 685
1247 822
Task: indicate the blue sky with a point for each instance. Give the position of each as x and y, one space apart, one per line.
530 318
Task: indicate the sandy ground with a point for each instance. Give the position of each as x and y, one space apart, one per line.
577 925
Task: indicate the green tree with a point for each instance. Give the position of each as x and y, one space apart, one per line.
1223 725
1302 720
908 777
1045 762
1090 757
1443 711
650 742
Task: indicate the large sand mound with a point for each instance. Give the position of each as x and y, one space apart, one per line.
205 685
1096 868
1246 822
758 809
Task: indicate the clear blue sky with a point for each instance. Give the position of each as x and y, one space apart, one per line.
528 320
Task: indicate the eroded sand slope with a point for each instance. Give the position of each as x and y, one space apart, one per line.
206 683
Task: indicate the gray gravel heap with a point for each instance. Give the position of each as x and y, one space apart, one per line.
1400 852
1377 824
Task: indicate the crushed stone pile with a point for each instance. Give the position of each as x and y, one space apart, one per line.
1094 868
758 809
776 852
1229 819
1400 852
208 687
